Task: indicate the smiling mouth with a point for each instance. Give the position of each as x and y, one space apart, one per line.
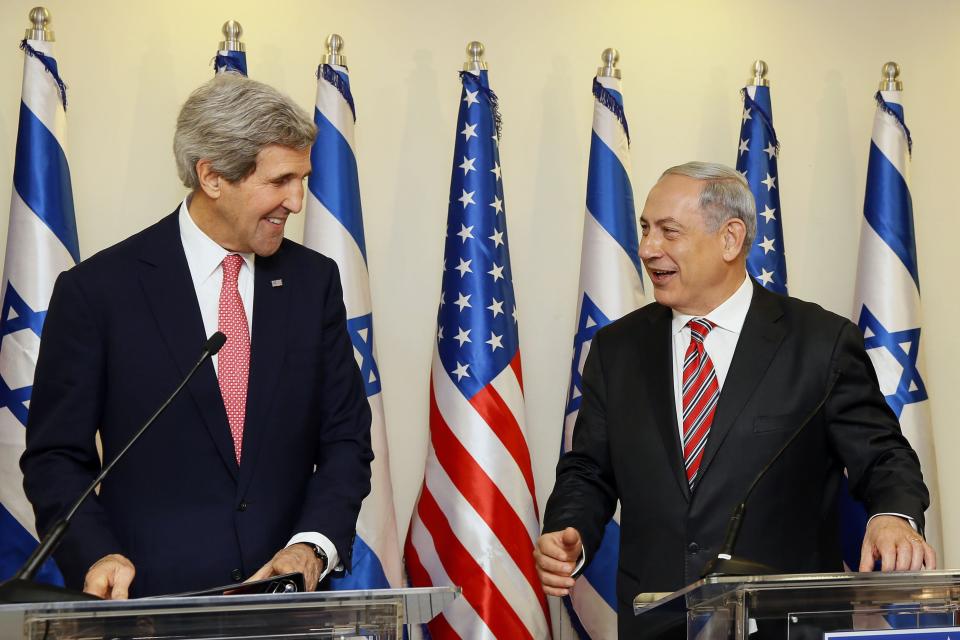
275 221
660 276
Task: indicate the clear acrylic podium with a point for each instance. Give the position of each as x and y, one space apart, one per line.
344 615
805 605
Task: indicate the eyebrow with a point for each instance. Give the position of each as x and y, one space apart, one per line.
662 221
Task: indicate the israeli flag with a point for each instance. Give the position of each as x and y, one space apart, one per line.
887 299
41 242
334 227
610 287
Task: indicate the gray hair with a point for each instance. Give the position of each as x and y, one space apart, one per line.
228 120
725 195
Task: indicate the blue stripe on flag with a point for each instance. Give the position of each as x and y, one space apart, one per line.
610 198
366 573
889 209
602 570
334 179
42 178
17 545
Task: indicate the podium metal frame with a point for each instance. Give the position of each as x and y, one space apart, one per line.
371 614
718 608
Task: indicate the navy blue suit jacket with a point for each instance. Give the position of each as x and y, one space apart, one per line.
122 329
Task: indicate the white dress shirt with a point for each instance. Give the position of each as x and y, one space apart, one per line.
205 261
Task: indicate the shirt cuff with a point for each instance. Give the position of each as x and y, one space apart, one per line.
582 561
899 515
322 541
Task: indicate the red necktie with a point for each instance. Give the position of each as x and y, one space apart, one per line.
700 394
233 361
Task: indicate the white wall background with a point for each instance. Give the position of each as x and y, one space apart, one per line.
130 65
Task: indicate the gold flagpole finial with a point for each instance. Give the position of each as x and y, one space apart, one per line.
475 62
610 57
890 78
232 32
39 19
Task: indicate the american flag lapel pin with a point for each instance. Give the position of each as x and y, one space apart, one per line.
276 283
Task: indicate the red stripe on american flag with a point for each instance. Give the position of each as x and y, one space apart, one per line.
439 628
495 412
485 497
478 589
515 365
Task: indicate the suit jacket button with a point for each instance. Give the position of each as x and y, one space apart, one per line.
242 506
693 548
236 575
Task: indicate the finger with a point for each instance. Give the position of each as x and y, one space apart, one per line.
916 561
888 555
929 557
553 580
552 565
867 556
262 573
551 545
551 591
122 577
95 583
570 537
904 555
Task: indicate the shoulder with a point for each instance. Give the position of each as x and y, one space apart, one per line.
116 260
634 323
801 315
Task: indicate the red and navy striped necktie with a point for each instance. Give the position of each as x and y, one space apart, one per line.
700 394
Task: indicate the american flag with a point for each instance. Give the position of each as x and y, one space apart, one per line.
887 305
476 521
41 242
334 227
757 161
610 286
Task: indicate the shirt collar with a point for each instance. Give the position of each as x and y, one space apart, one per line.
204 255
730 315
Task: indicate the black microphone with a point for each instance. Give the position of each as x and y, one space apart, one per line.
725 563
20 587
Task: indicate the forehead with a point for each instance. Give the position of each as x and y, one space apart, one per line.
277 159
673 196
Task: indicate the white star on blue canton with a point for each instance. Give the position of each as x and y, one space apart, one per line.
765 277
465 232
471 98
463 301
771 182
440 332
469 131
496 170
770 150
467 165
767 245
743 146
496 272
497 204
461 371
463 336
767 213
746 115
495 341
496 307
497 238
466 198
464 267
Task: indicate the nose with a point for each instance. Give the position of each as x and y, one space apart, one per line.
649 246
294 200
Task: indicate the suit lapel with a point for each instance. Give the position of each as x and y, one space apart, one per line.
168 288
759 340
658 371
267 346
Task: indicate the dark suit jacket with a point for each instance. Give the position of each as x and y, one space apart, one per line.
626 445
123 328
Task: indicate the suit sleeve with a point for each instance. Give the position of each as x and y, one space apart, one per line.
883 470
584 496
342 477
61 457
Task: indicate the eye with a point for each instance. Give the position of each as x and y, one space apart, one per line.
644 229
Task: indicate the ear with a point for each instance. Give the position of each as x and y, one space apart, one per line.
733 234
210 180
